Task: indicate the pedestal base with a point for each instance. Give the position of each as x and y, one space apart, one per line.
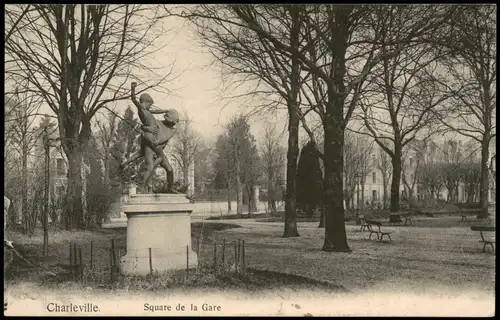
159 223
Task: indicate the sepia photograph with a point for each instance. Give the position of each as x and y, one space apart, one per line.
250 160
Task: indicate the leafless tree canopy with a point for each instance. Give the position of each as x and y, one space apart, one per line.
186 146
78 58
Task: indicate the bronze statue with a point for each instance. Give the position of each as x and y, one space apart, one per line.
155 135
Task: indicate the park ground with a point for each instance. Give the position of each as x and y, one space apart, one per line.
434 268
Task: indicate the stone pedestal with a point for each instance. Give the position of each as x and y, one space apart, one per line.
161 222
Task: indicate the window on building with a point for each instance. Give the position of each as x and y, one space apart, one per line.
374 176
61 170
411 161
374 195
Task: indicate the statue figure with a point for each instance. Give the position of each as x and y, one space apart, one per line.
154 137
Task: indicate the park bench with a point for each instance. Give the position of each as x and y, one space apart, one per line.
375 227
364 225
397 218
408 221
464 216
485 242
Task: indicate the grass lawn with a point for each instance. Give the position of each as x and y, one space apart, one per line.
419 258
440 257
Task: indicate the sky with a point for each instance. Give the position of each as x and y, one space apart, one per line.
197 86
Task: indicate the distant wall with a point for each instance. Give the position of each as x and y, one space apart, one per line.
201 208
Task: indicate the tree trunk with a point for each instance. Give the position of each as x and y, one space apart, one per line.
24 188
293 129
250 202
334 126
73 216
484 182
384 183
228 198
396 179
322 217
362 195
470 194
106 168
335 234
291 174
239 196
270 195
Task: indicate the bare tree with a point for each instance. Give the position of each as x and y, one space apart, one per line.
406 97
335 31
185 146
413 157
273 159
430 177
203 167
78 58
223 167
13 17
471 177
383 163
24 136
242 51
471 67
365 163
350 169
106 133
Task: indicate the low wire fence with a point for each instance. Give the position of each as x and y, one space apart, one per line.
87 263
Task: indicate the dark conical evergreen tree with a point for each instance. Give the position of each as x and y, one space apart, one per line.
309 180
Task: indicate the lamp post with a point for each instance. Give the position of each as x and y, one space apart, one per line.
46 144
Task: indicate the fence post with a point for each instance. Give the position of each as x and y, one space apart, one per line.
150 262
91 254
223 255
243 256
111 265
80 267
75 265
113 249
215 257
71 256
239 254
235 257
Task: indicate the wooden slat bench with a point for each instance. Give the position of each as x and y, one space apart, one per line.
395 218
409 221
364 225
476 216
375 227
485 242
